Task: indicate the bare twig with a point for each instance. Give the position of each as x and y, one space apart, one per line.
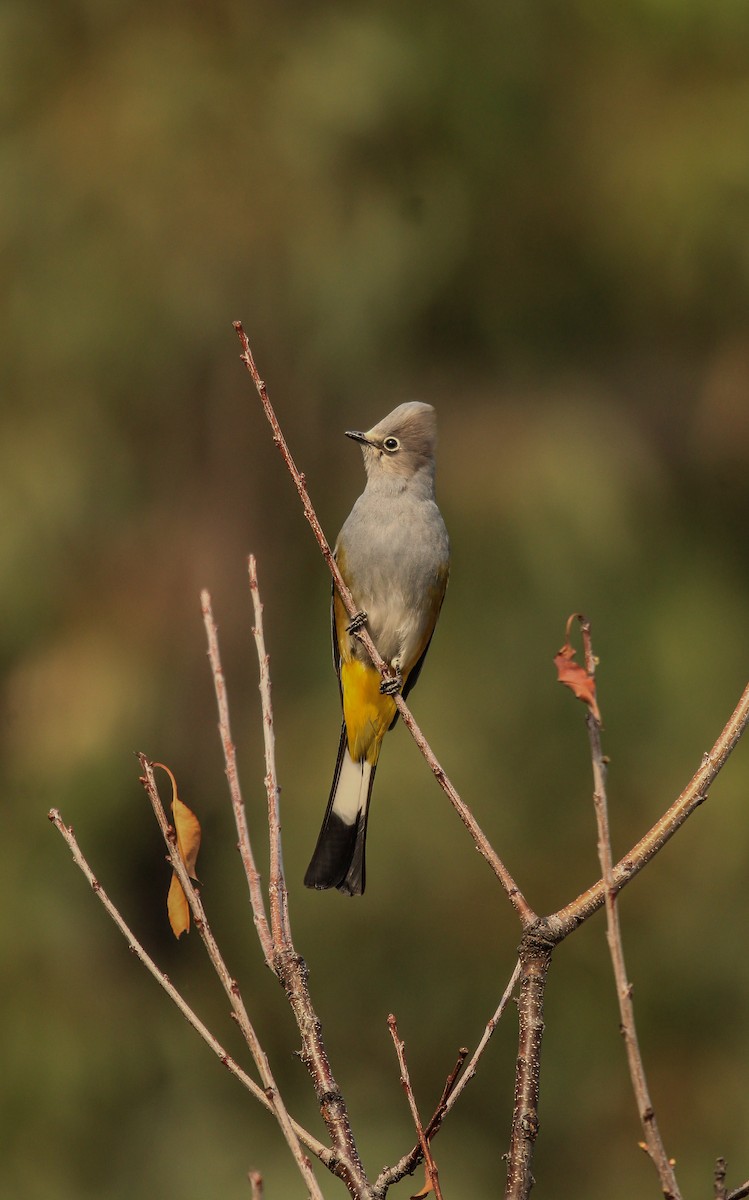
313 1145
740 1192
279 901
694 794
451 1092
228 983
429 1163
519 903
470 1071
287 965
653 1139
256 1184
230 759
450 1082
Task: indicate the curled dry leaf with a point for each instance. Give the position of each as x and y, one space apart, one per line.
575 677
428 1187
187 829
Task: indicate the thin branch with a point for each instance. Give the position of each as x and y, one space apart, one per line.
695 793
450 1082
486 1036
653 1140
430 1165
518 901
228 983
288 966
230 759
313 1145
740 1192
279 900
451 1093
256 1184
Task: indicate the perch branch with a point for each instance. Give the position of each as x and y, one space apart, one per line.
230 759
429 1163
313 1145
518 901
229 984
653 1139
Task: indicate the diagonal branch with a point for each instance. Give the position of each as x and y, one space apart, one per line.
228 983
653 1139
322 1152
518 901
694 794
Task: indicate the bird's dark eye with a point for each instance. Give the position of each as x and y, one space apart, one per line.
391 444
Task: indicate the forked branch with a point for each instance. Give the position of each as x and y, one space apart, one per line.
540 935
260 1094
287 965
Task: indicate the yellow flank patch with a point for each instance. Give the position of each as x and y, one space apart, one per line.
366 711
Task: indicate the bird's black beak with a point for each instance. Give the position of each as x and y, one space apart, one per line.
358 437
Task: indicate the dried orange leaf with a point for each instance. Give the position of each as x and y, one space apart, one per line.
178 910
188 831
428 1187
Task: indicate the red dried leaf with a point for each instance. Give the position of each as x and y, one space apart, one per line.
575 677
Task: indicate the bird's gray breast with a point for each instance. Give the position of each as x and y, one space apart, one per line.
395 553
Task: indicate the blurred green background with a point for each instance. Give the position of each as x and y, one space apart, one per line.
536 217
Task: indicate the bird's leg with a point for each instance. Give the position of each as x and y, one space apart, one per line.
357 622
392 684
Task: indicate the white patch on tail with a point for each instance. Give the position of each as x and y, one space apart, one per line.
352 789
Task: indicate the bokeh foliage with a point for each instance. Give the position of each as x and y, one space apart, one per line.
535 216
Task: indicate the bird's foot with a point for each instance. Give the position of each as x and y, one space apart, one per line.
357 622
392 684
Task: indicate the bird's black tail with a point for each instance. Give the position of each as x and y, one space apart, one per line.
338 860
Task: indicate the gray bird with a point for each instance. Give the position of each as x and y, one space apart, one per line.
394 554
